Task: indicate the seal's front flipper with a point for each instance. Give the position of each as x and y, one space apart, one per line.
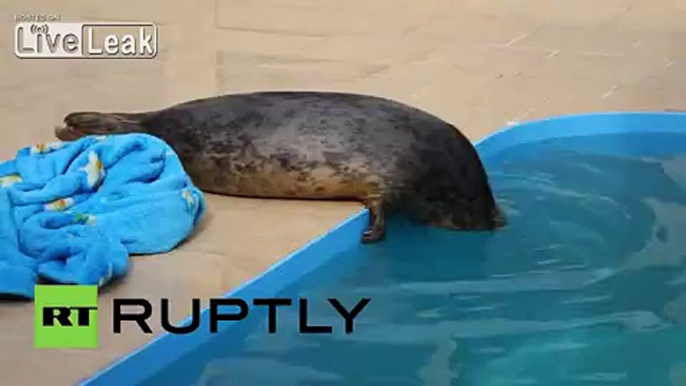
377 225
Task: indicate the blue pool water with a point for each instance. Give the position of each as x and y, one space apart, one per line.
586 286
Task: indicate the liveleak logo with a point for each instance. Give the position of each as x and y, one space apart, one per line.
67 316
85 40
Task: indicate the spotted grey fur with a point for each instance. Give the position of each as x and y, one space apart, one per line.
320 145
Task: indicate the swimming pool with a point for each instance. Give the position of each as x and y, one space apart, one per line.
586 286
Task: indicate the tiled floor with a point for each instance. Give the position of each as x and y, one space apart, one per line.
476 63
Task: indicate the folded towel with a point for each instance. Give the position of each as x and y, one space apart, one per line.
73 212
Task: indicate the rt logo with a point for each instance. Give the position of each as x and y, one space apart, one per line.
66 316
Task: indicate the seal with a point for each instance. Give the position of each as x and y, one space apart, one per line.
319 145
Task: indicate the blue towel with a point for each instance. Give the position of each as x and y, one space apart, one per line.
73 212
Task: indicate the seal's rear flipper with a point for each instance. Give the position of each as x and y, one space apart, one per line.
80 124
111 123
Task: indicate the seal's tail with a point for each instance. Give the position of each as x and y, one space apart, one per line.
79 124
112 123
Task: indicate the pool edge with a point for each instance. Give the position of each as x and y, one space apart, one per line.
346 233
272 280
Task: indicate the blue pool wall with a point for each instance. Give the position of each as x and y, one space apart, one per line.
165 350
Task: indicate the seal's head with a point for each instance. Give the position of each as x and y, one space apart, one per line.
474 216
81 124
456 198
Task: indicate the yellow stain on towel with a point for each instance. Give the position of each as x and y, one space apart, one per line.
188 196
94 169
60 205
7 181
105 279
84 218
42 148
